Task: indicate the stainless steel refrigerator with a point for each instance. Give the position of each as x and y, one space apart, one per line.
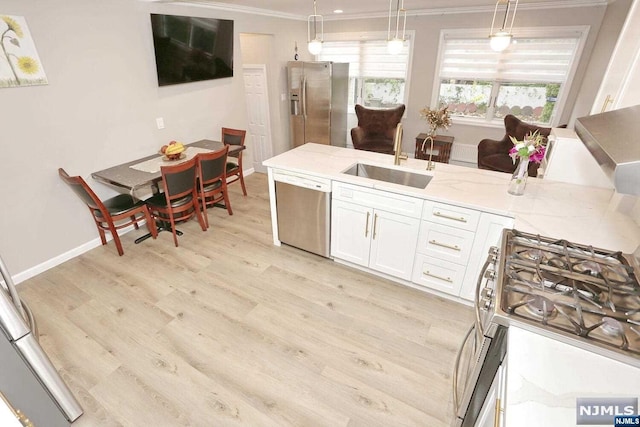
318 102
28 380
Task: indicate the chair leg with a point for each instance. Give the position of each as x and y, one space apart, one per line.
244 189
227 203
173 228
151 223
116 238
204 212
135 221
201 220
103 238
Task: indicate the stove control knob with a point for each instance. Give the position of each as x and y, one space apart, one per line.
490 274
485 304
493 250
487 293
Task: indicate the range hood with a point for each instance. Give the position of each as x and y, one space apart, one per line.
613 138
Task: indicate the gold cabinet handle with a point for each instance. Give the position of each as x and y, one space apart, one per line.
445 245
496 417
455 218
607 100
375 222
26 422
435 276
366 226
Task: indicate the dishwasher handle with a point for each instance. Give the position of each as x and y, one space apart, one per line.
305 181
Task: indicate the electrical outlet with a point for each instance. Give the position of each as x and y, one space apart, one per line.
160 123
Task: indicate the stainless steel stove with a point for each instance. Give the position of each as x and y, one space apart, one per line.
585 296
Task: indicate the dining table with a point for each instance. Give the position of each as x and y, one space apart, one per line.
144 173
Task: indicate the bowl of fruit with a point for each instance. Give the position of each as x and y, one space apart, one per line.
173 151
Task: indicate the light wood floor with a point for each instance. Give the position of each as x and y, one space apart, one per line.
229 330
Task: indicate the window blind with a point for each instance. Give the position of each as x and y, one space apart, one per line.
367 58
535 60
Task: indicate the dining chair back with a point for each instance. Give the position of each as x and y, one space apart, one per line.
179 201
212 180
112 214
234 169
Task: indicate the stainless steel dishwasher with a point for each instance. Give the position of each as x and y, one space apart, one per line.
303 206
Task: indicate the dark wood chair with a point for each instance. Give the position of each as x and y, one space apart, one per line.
494 155
376 128
212 180
234 169
112 214
179 201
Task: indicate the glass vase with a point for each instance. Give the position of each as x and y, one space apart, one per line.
519 178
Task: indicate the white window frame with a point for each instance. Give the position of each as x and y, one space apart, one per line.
535 32
379 35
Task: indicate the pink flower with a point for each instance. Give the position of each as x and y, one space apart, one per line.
538 155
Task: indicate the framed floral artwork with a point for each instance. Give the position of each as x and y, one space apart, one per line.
19 61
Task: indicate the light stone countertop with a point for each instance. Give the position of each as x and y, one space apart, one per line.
545 377
586 215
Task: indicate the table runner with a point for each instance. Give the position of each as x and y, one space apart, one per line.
153 165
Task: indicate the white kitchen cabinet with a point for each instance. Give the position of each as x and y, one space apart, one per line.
350 228
451 215
488 234
452 247
620 86
492 412
393 243
444 242
437 274
375 229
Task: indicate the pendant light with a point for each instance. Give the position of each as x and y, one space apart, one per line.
315 44
396 41
501 39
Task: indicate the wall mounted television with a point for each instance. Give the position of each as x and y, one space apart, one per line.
190 49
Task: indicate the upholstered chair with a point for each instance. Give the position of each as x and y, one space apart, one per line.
376 128
494 155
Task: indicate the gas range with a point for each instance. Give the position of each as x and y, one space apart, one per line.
584 296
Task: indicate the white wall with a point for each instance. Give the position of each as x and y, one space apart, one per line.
99 110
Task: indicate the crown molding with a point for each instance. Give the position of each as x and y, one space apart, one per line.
545 5
474 9
232 8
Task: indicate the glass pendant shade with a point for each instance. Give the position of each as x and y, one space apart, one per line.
395 41
315 47
394 46
500 39
315 38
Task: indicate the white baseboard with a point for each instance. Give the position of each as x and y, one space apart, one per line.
79 250
57 260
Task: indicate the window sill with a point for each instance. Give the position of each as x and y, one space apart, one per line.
498 124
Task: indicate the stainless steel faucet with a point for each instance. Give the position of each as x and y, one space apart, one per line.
397 146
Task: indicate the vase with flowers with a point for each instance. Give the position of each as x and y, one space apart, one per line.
530 149
436 118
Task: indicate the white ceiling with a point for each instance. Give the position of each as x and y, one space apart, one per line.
300 9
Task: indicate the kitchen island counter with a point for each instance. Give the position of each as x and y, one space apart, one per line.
587 215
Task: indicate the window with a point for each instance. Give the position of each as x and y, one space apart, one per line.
530 79
376 77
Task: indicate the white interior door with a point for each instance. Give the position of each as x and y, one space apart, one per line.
259 132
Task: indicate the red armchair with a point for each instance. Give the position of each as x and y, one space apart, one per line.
494 155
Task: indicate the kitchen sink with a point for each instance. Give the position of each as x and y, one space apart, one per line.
393 176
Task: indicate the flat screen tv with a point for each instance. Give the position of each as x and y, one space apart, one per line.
190 49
